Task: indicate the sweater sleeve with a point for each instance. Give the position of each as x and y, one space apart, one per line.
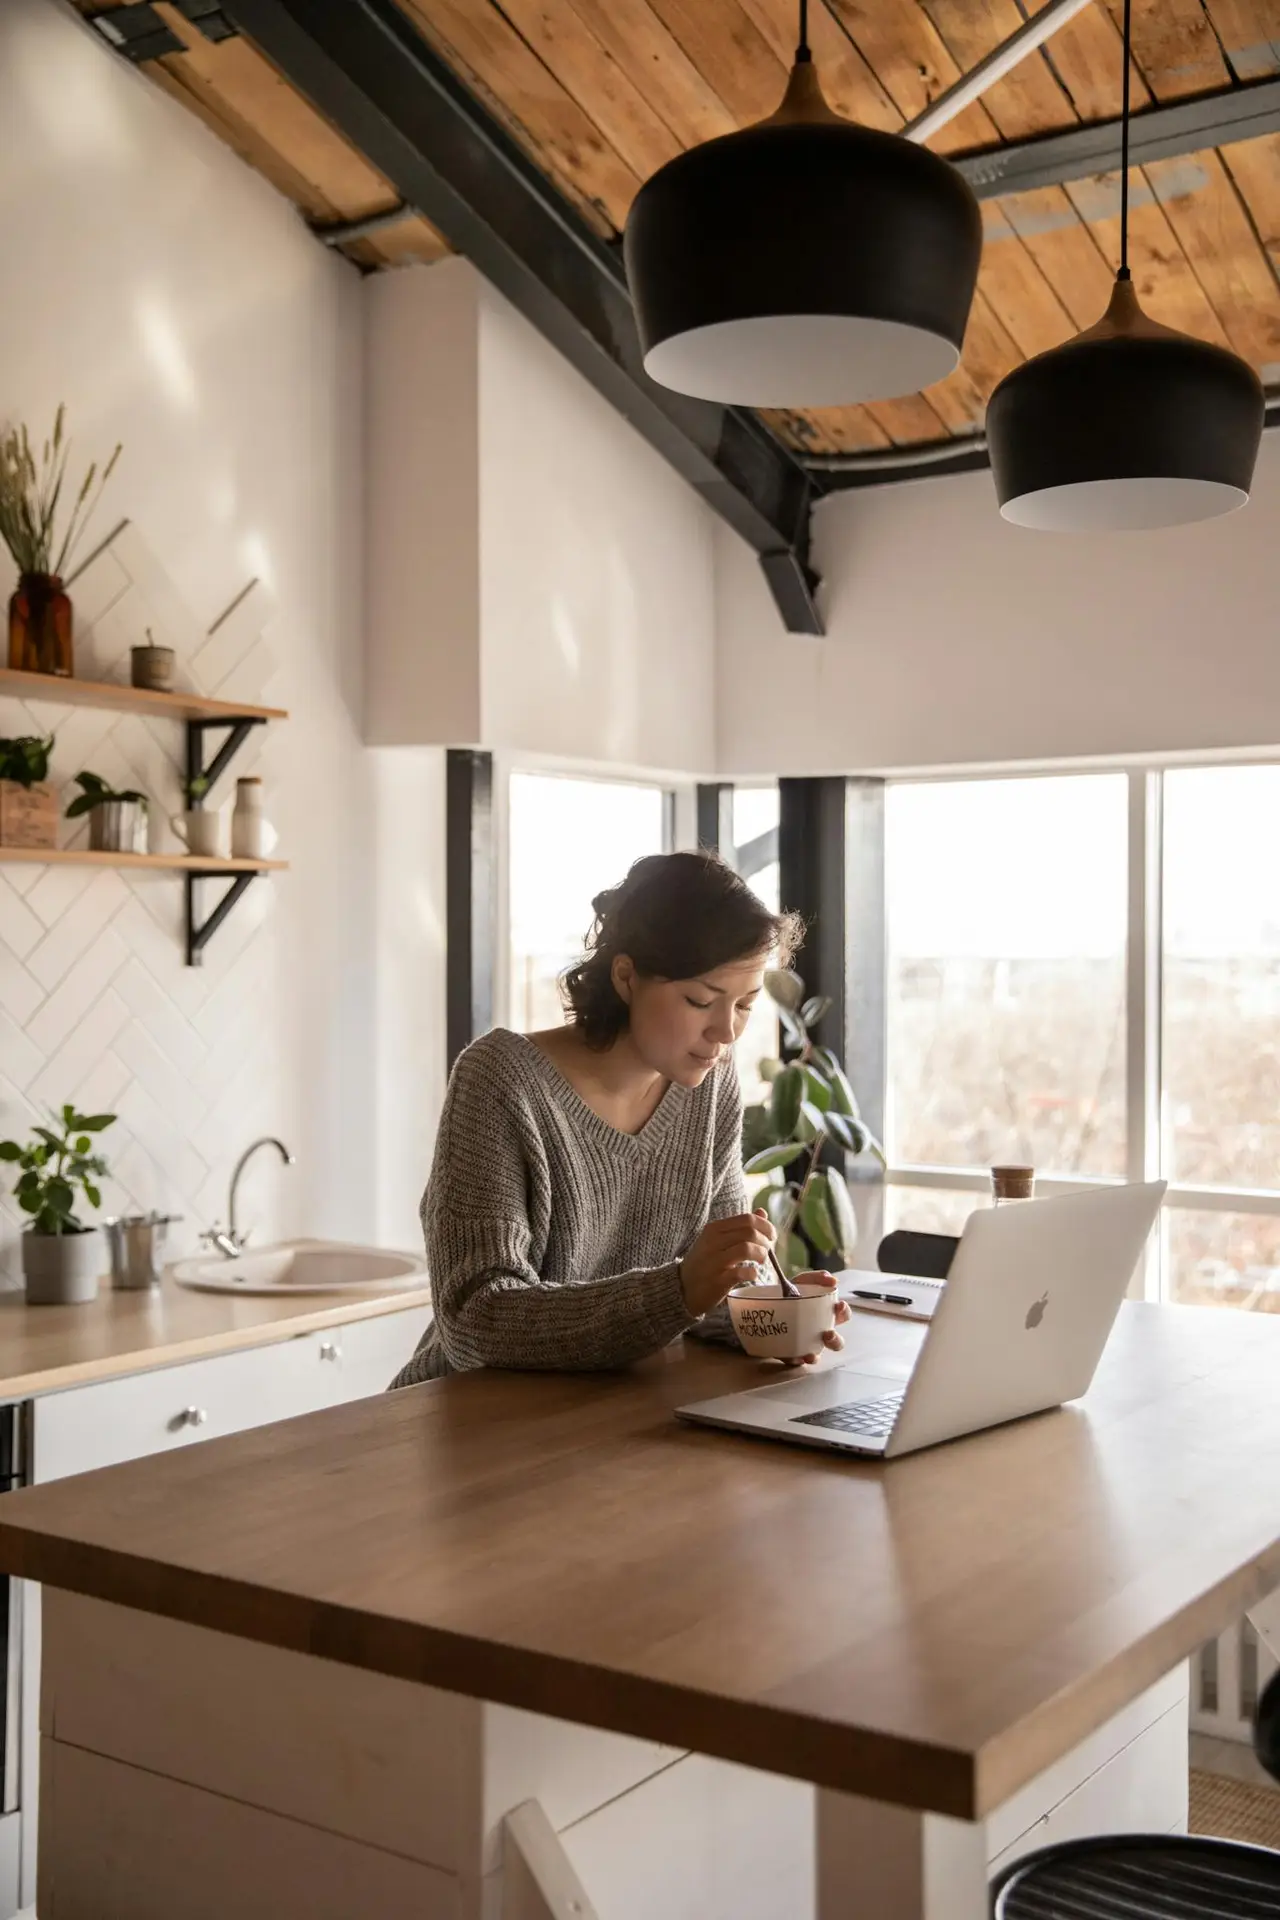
729 1191
492 1308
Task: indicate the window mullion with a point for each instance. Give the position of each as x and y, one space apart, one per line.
1142 1003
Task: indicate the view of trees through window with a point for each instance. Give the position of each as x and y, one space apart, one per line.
567 839
1008 1019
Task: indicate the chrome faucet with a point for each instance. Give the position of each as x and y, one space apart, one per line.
229 1240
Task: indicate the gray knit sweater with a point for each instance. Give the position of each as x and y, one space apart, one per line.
553 1240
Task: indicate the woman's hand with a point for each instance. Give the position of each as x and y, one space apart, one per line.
832 1339
715 1261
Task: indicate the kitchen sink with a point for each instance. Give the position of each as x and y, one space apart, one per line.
303 1266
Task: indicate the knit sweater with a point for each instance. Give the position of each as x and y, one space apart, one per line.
553 1240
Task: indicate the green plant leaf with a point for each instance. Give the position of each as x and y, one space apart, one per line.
96 1122
771 1157
842 1094
844 1219
93 1195
784 988
770 1069
777 1203
10 1150
757 1130
59 1196
810 1122
83 1143
851 1134
784 1104
815 1216
792 1028
817 1087
30 1202
52 1140
29 1183
794 1254
813 1009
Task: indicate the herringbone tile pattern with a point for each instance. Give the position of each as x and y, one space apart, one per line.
96 1004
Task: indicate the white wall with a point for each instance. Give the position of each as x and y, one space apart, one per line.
172 299
954 638
573 616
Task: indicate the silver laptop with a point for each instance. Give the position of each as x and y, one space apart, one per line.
1030 1300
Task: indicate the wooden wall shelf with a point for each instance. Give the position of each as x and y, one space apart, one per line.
153 862
121 699
200 716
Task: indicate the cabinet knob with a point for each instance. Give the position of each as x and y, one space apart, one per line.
329 1350
196 1416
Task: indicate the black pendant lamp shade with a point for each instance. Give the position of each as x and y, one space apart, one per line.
803 262
1130 425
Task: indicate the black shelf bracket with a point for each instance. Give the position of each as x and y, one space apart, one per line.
201 776
199 936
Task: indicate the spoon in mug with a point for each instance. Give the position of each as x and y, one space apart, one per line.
790 1291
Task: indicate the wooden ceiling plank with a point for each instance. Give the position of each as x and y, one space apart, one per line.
1020 296
240 85
908 420
1162 275
907 54
408 243
730 52
989 354
1249 33
1086 55
1028 99
241 138
827 429
847 81
500 68
1254 165
1218 239
556 32
659 66
1062 246
1175 47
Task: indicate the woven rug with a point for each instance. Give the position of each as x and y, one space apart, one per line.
1234 1810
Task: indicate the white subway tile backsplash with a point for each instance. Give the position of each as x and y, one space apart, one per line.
96 1003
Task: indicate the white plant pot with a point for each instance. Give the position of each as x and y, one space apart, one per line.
62 1269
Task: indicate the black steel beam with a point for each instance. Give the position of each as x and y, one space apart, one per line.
715 817
378 81
470 893
1184 126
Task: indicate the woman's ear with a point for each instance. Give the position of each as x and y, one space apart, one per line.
623 974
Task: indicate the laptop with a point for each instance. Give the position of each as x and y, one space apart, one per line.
1020 1326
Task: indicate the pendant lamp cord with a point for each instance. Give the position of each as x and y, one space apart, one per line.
802 49
1124 148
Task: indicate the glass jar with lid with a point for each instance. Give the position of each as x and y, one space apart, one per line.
1012 1184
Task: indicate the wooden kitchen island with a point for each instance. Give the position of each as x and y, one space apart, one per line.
523 1645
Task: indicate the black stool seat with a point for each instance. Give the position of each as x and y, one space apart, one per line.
1142 1877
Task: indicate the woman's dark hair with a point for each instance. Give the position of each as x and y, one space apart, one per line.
677 916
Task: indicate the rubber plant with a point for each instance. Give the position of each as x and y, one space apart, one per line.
56 1161
811 1108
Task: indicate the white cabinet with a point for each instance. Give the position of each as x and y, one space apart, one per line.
146 1413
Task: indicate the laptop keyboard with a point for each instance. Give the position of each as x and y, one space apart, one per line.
869 1419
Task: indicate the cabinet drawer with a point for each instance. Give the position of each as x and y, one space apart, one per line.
363 1357
148 1413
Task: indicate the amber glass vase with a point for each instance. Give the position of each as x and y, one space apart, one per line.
40 626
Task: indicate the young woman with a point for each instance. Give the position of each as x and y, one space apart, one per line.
586 1202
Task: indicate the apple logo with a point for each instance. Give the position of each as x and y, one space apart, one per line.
1035 1312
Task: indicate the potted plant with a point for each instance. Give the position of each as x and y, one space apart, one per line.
30 497
117 816
61 1257
28 809
811 1111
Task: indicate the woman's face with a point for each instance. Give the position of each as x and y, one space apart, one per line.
681 1028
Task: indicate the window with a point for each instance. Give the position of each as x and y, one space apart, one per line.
569 838
1007 916
755 839
1014 1012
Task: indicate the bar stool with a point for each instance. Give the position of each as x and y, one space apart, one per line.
923 1256
1152 1876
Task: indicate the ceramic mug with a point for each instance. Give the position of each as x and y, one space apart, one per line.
200 832
773 1328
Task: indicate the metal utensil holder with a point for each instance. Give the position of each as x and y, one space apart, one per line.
136 1244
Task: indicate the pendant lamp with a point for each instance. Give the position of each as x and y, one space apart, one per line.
804 261
1131 424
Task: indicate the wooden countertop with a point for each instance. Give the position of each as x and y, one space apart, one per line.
44 1349
933 1631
